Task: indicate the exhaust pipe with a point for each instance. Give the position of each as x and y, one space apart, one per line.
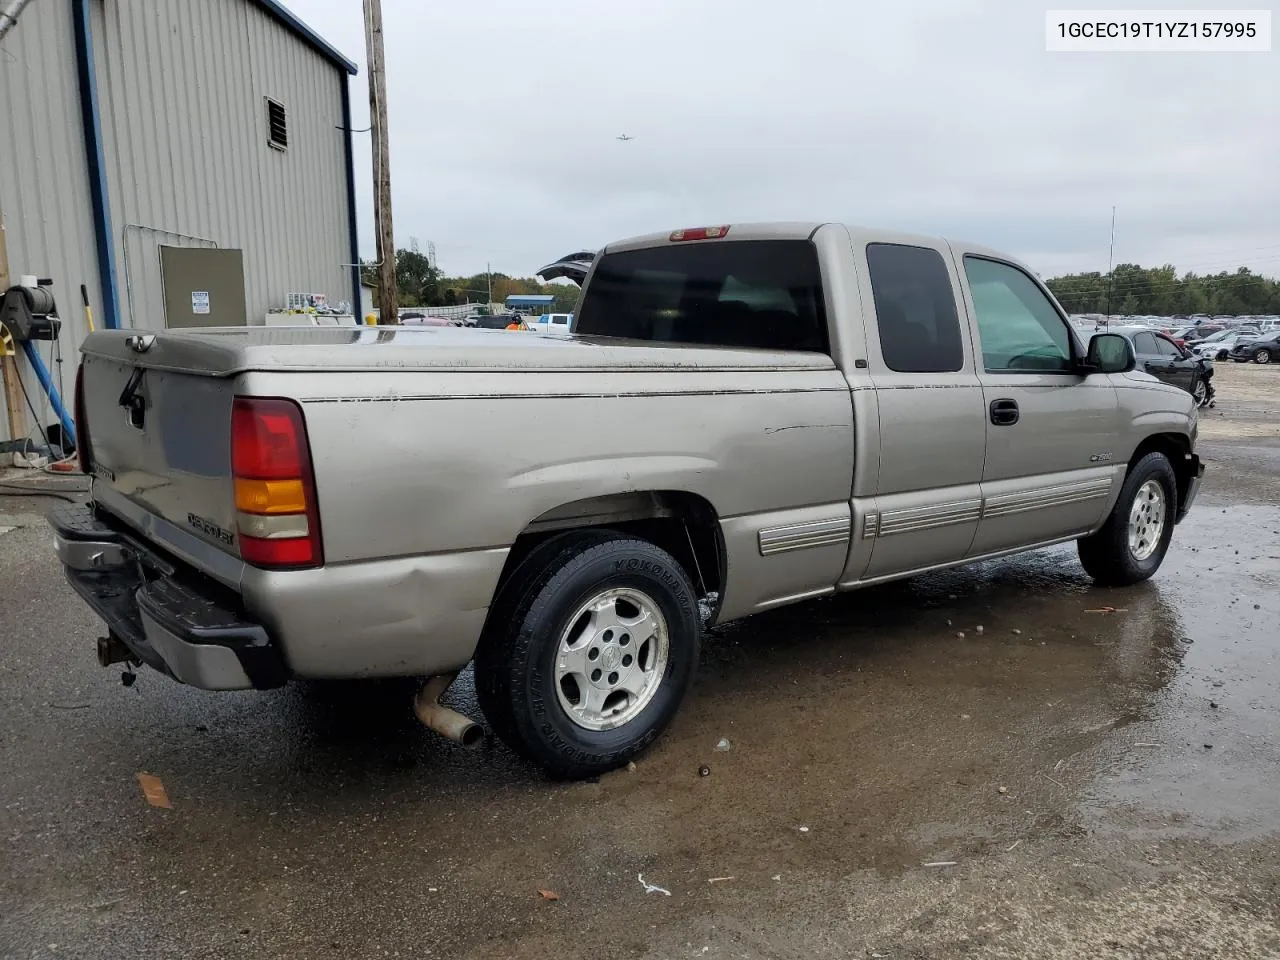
448 723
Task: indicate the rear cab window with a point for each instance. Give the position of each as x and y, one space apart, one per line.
764 294
916 313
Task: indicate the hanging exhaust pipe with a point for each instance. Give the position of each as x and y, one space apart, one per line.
448 723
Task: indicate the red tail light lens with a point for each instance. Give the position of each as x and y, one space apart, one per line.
82 425
699 233
278 522
268 439
285 552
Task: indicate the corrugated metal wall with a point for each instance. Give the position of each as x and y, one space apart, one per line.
44 184
181 88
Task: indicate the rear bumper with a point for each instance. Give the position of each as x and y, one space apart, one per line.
174 620
1193 487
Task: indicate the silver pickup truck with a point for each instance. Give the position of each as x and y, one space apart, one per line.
743 417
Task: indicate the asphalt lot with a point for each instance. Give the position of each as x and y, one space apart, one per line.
1102 782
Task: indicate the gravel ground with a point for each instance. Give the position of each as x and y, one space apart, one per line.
1064 783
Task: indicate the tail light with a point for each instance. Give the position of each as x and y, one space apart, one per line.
699 233
83 453
276 512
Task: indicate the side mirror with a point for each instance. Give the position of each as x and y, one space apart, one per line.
1110 353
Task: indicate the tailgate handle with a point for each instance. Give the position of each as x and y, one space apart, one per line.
133 401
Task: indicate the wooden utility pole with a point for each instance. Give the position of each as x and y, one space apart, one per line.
388 294
9 365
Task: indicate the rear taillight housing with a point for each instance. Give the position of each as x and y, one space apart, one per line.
276 511
699 233
83 453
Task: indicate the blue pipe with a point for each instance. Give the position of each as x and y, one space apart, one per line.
42 374
98 195
353 233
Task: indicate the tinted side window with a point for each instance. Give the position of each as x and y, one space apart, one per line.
915 309
746 293
1019 328
1145 344
1168 347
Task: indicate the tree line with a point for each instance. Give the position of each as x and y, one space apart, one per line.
1158 291
423 285
1127 289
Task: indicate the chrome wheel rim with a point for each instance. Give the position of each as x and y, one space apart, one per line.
1264 356
1200 391
611 658
1146 520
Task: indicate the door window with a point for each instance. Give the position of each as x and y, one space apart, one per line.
1168 348
1145 344
1018 326
915 309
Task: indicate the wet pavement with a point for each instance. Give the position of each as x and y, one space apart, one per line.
1098 770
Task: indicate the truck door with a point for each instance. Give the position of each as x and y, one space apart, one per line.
1052 431
932 425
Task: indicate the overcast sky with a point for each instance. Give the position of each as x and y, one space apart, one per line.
941 116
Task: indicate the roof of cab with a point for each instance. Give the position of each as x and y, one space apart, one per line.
803 230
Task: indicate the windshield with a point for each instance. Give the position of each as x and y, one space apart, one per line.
749 293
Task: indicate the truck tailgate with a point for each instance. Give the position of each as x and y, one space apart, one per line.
161 439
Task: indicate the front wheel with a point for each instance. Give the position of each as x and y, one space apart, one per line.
589 652
1262 356
1132 543
1200 391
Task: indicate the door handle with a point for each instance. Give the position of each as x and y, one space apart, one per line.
1004 413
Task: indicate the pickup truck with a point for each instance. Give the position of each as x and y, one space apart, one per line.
743 417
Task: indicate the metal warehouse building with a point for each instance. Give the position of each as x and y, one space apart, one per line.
131 129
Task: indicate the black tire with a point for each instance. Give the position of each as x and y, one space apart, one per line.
1106 555
516 682
1262 356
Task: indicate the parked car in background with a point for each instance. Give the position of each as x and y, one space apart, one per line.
1161 357
1192 334
501 322
1263 349
423 321
1218 346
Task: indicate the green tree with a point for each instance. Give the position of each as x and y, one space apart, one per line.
1132 289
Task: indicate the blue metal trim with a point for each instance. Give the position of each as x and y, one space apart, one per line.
289 19
42 374
353 233
98 195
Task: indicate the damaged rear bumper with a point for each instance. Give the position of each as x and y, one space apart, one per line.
170 618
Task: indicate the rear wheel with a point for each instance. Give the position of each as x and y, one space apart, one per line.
588 652
1132 543
1262 356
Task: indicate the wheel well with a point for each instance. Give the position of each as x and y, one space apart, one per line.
681 523
1177 448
